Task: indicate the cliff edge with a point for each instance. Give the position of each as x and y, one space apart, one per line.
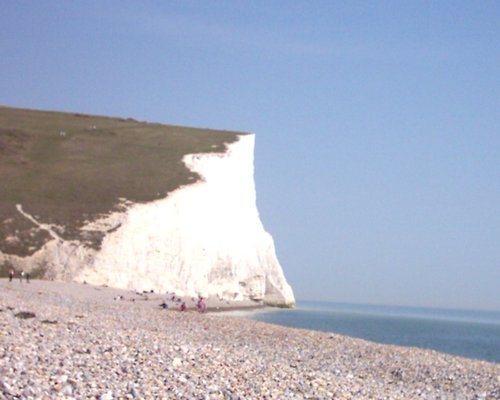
203 237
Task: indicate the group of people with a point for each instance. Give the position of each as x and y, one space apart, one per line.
201 305
22 275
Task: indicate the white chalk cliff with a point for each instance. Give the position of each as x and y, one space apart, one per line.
202 239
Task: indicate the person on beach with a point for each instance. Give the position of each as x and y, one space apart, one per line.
183 306
11 275
201 306
21 276
27 277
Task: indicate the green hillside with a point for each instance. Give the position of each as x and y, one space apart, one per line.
66 169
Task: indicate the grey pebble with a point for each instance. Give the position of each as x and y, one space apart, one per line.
126 350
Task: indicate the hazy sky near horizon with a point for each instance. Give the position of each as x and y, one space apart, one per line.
377 124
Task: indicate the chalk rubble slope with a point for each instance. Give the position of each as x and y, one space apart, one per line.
202 239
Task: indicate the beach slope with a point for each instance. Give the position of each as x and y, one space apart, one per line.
61 340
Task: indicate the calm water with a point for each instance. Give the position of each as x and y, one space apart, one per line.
473 334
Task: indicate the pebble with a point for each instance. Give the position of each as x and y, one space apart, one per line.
176 361
125 350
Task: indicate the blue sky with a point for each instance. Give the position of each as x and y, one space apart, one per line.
377 123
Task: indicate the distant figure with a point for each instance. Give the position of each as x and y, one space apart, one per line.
164 305
21 277
27 277
11 275
183 306
201 306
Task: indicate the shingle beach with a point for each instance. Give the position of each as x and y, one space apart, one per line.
64 341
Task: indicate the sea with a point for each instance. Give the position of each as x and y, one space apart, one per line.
472 334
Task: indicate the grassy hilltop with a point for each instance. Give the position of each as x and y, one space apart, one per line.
66 169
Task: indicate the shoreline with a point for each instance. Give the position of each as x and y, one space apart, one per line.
80 343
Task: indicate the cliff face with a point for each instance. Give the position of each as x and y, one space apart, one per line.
205 238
